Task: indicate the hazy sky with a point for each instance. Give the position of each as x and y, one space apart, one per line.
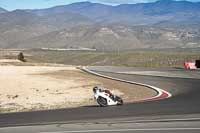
37 4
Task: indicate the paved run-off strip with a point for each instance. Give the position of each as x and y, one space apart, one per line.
125 130
161 94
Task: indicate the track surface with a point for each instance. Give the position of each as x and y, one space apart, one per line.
185 100
185 91
127 127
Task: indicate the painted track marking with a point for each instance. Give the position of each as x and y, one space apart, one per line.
162 94
124 130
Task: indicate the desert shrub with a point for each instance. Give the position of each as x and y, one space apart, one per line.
21 57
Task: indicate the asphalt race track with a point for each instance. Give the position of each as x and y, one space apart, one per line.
185 91
180 113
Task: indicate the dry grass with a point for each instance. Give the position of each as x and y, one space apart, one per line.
137 58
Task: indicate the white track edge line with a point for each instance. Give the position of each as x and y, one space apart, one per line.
158 90
123 130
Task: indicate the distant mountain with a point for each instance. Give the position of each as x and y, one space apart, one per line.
161 24
20 25
115 37
2 10
93 36
94 11
131 14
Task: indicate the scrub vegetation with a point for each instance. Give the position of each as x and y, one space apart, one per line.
136 58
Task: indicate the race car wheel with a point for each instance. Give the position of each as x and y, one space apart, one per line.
102 101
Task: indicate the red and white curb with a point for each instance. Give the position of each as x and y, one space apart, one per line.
161 94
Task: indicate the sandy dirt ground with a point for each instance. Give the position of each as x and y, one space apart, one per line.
30 88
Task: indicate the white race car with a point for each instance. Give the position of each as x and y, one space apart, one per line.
105 98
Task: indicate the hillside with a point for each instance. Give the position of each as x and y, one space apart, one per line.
2 10
19 25
161 24
133 14
115 38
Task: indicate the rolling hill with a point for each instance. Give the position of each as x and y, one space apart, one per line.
161 24
2 10
162 11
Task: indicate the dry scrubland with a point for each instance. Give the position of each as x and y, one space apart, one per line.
50 86
134 58
137 58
